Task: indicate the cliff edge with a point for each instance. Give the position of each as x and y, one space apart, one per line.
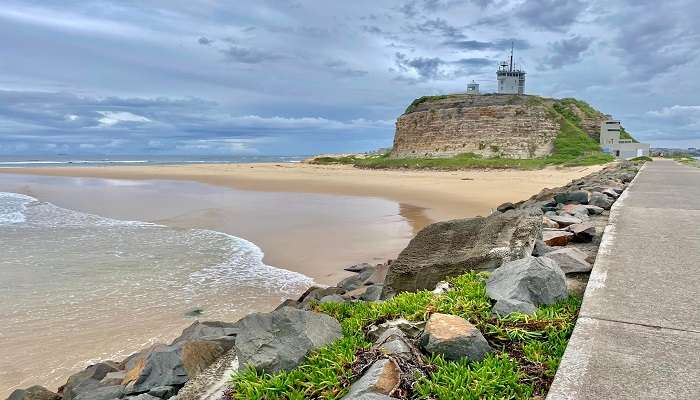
490 125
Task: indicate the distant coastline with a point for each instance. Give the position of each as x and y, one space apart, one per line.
136 160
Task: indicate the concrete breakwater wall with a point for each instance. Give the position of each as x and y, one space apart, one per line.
552 236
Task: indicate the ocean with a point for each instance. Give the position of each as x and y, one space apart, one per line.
75 284
72 161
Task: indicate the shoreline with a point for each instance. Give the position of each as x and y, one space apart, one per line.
441 194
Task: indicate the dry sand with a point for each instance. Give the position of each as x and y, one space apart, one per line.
441 195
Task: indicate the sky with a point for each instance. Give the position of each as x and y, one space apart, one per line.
297 77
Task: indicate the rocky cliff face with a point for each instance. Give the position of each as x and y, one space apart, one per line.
489 125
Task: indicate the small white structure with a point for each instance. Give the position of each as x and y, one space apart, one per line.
621 148
510 80
473 88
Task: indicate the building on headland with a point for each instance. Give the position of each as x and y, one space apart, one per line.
611 142
511 80
473 88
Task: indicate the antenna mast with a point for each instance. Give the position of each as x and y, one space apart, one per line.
511 56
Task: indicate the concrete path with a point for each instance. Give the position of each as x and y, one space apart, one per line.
638 333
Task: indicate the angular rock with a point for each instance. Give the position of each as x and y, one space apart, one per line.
505 307
280 340
450 248
143 396
584 232
575 209
288 303
162 366
505 207
531 280
113 378
333 298
601 200
382 378
594 210
410 329
163 392
206 328
316 293
541 248
358 267
555 237
173 365
373 293
565 220
570 260
88 379
610 193
578 197
548 223
453 337
101 393
357 280
393 342
34 393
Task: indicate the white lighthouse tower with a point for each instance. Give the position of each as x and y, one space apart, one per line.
510 80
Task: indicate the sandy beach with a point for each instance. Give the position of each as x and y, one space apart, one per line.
441 194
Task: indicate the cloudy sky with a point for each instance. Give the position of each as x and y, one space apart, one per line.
308 76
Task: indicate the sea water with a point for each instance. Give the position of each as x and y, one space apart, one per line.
77 287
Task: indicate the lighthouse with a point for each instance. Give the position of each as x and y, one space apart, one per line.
510 80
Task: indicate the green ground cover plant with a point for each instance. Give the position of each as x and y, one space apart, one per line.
572 146
528 349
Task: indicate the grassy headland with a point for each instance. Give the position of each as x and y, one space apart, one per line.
528 349
572 146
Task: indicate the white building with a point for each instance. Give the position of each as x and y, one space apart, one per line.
510 80
621 148
473 88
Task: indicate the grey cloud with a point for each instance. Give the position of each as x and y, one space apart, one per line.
658 42
204 41
566 51
435 68
501 44
441 27
553 15
244 55
342 69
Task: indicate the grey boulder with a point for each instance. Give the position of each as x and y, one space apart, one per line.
410 329
505 307
101 393
565 220
279 340
601 200
451 248
34 393
570 260
355 281
454 338
577 197
333 298
584 232
88 379
530 280
381 379
373 293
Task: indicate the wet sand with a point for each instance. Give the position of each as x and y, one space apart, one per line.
441 194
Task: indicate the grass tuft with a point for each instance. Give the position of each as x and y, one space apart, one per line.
527 349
